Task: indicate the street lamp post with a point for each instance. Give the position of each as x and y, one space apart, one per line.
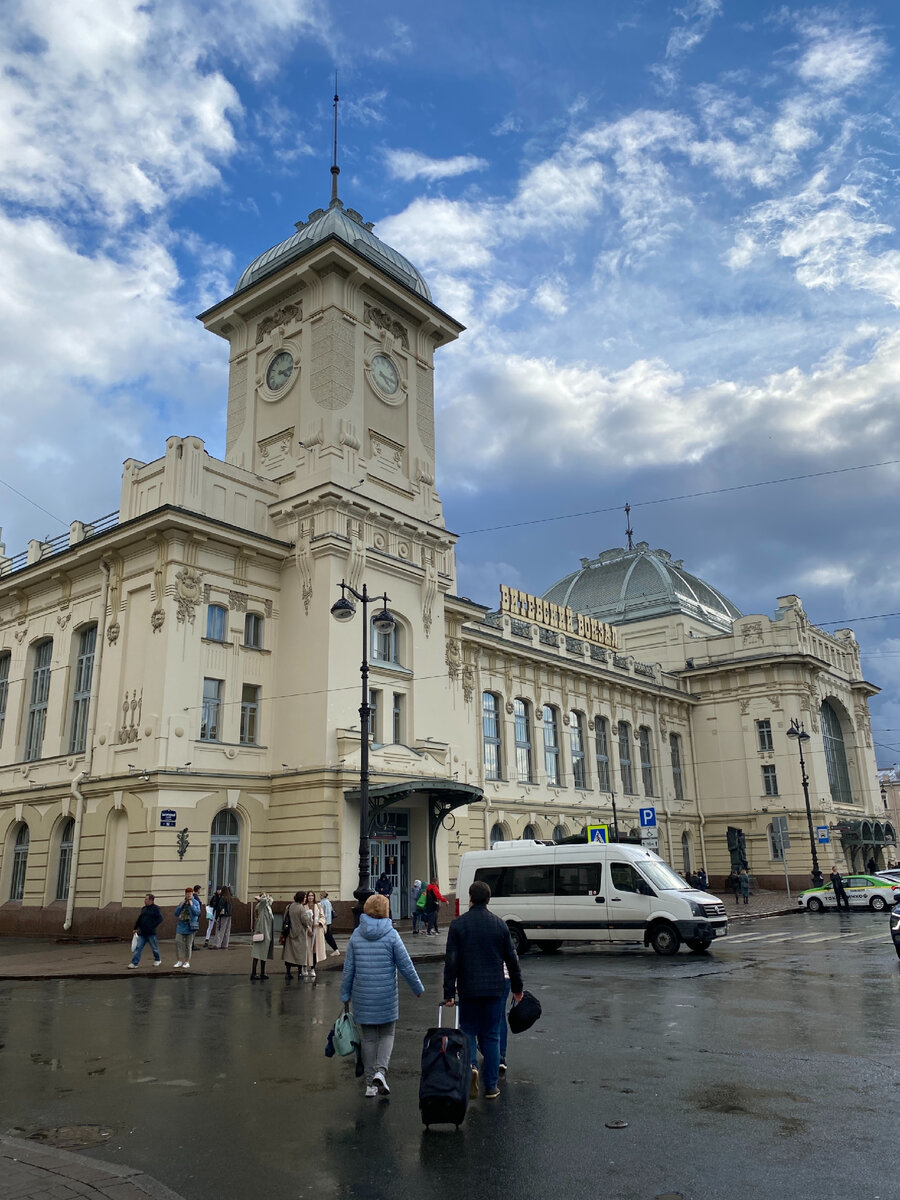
382 622
799 733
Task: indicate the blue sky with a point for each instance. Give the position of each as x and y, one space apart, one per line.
669 228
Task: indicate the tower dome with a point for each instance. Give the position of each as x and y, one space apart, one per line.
348 227
622 586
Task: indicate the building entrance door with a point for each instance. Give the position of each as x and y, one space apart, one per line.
389 852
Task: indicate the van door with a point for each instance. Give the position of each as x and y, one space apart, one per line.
628 906
580 907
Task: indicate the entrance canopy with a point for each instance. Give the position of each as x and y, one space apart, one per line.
443 796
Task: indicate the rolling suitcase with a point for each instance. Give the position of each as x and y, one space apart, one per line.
446 1075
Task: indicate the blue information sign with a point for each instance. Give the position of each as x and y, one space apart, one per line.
167 818
648 817
822 835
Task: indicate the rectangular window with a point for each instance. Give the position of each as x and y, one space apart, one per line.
494 877
490 728
374 714
580 880
216 622
4 689
210 717
37 708
529 880
522 714
770 781
625 758
81 691
576 738
646 761
601 730
677 773
764 735
253 626
551 745
249 735
397 719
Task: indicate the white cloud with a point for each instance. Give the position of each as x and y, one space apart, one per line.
410 164
838 59
448 234
550 296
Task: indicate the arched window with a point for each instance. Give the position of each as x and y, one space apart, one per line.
4 688
40 694
601 730
646 761
490 724
559 833
224 845
386 647
529 834
19 863
625 758
576 738
498 834
835 755
686 852
550 718
775 848
66 840
677 772
522 717
253 631
216 622
81 689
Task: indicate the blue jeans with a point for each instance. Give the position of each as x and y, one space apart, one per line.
142 942
417 915
480 1019
504 1034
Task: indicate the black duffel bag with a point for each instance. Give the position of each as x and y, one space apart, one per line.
524 1014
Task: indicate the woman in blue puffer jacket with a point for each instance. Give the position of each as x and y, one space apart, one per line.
375 954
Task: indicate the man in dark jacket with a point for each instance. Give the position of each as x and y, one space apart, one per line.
149 920
840 894
479 945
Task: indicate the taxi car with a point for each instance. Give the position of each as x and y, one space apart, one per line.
863 891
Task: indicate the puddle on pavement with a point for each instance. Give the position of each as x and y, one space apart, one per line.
67 1137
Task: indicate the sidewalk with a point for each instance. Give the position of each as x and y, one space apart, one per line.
31 1171
33 958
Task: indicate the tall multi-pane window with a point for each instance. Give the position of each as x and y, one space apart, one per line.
374 714
770 781
397 719
550 718
385 646
490 728
601 732
625 758
253 627
835 755
764 735
66 841
249 735
19 863
646 761
211 713
81 691
224 845
4 689
576 738
522 718
677 771
37 707
216 622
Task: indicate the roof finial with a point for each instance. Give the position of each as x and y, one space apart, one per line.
629 531
335 169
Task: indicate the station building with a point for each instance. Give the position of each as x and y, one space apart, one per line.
177 704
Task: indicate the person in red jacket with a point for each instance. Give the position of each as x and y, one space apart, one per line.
433 900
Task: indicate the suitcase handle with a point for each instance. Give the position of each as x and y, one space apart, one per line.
441 1013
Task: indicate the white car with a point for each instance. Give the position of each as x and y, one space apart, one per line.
863 891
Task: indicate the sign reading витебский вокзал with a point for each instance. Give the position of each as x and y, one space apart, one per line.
556 616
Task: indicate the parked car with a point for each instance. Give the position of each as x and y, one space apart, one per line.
893 875
863 891
895 928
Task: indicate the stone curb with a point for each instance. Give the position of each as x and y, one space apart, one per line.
103 1178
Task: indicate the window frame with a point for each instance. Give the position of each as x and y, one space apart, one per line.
522 722
81 688
224 849
626 773
384 648
764 740
550 722
836 764
491 743
604 766
248 733
253 631
64 859
646 752
5 664
770 780
19 855
577 747
397 717
211 705
36 726
677 765
212 613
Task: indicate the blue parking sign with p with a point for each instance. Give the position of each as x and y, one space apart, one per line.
648 817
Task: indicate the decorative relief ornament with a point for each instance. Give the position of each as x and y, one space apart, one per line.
63 619
157 619
281 316
188 590
237 601
510 707
453 657
112 632
20 635
745 707
752 633
468 682
129 730
267 605
383 320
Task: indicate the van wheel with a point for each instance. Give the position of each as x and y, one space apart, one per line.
550 947
664 939
878 904
520 941
698 947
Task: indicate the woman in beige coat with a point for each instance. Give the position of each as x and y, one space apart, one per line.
294 937
314 925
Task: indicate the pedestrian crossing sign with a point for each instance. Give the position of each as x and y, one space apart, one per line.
598 833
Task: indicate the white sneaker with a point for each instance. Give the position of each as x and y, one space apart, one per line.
185 965
132 966
312 974
381 1083
334 954
157 962
178 964
371 1091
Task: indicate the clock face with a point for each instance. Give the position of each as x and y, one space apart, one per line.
385 374
279 371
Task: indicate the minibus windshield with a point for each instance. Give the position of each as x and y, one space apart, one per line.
664 877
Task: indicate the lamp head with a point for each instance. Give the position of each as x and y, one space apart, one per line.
797 731
383 622
343 609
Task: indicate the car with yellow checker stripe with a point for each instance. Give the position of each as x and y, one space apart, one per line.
863 891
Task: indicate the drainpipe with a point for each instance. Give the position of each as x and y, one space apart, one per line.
84 773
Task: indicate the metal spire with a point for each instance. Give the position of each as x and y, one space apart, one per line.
335 169
629 531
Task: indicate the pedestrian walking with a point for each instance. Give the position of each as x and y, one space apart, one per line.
328 913
383 885
417 893
262 946
478 946
837 882
293 937
744 880
148 921
187 922
212 911
734 880
314 926
872 865
702 880
375 953
219 940
433 901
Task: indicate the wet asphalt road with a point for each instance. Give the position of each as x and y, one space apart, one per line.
768 1068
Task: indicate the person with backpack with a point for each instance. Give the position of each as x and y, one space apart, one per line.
433 899
417 904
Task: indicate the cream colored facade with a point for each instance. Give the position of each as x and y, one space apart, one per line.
216 686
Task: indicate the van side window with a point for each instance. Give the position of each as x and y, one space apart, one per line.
624 877
578 880
493 877
529 880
